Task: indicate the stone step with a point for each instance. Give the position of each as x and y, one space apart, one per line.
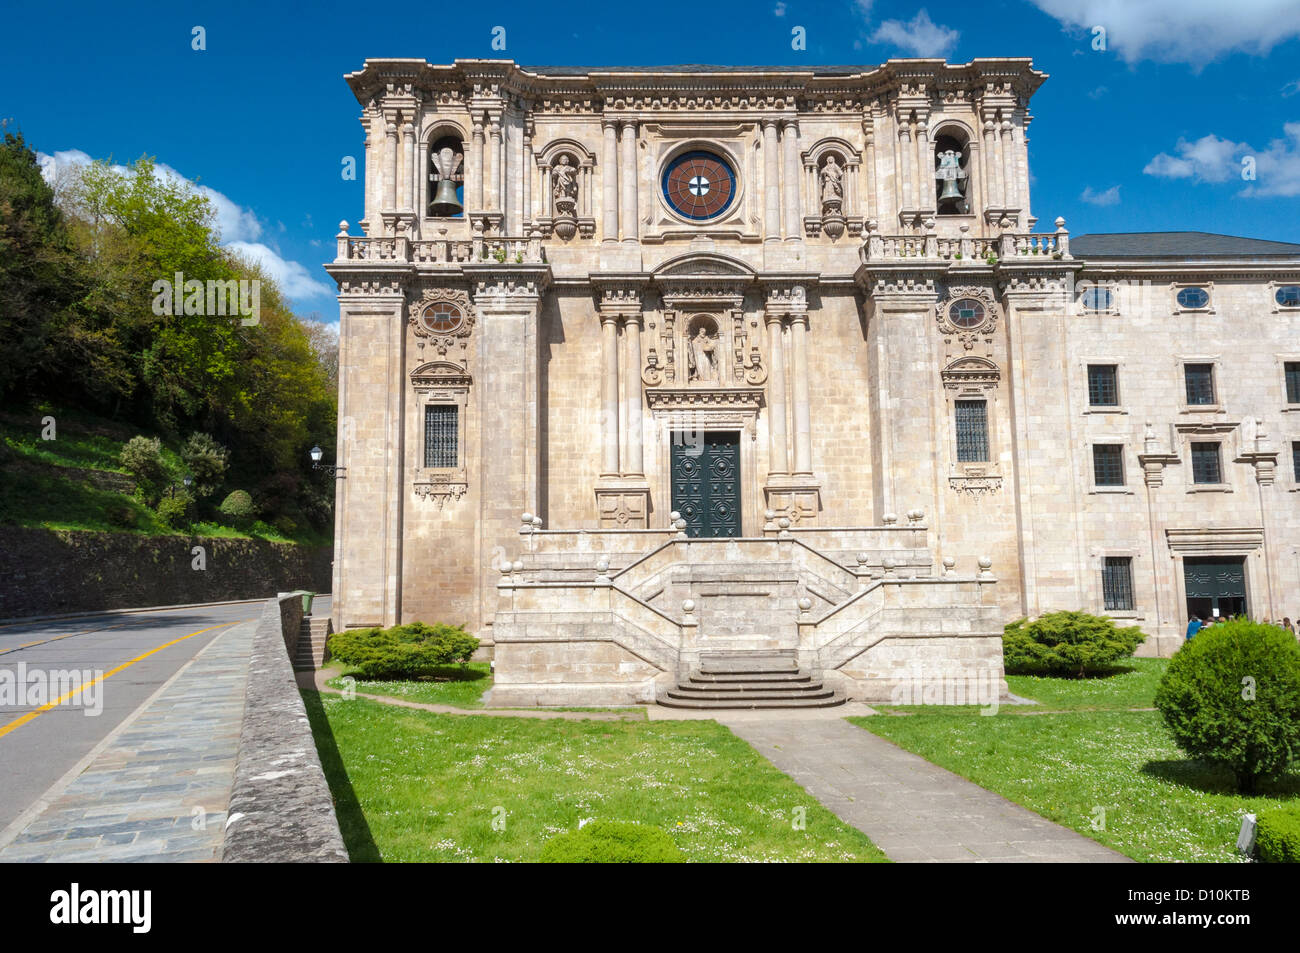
709 704
742 677
749 668
682 691
784 687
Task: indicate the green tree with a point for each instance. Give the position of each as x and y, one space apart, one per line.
206 460
142 457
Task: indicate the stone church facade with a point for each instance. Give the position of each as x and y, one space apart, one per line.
641 369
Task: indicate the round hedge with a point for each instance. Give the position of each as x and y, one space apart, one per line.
612 842
1232 696
403 651
1067 644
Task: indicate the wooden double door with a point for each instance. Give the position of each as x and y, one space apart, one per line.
706 482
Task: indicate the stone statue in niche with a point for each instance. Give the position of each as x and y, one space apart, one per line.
832 183
564 195
699 357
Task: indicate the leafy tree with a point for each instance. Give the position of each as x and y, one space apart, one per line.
142 457
1232 696
206 461
1067 643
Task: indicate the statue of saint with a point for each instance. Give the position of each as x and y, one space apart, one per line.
699 354
832 181
564 186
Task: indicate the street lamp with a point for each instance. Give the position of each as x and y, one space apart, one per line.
316 453
187 480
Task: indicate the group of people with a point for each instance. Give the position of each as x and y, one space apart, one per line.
1196 624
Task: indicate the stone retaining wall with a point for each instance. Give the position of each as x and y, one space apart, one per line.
50 572
281 810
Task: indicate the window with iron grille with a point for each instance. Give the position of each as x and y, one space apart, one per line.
1117 583
1295 459
1200 383
972 431
1293 382
1205 463
441 431
1108 464
1103 385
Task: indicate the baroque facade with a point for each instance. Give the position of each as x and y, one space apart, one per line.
643 368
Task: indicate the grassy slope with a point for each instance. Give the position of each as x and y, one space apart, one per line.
416 786
452 686
1086 749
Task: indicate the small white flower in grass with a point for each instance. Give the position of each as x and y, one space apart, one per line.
584 822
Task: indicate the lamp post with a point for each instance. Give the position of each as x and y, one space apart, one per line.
187 480
316 453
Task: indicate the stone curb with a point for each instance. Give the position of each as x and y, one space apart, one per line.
281 810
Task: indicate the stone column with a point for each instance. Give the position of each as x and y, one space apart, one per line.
390 185
902 174
925 167
474 194
779 462
526 172
627 180
609 395
408 163
790 140
609 180
802 406
635 463
771 182
1009 165
494 157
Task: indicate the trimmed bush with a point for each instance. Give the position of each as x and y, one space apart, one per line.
174 510
1232 696
206 460
1071 644
142 457
238 507
612 842
1277 836
404 651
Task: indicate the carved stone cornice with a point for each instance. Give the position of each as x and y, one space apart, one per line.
495 284
682 398
787 294
617 294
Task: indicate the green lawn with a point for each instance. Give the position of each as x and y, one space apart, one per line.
1086 759
460 688
411 785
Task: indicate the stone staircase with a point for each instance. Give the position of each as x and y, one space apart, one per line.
310 654
750 681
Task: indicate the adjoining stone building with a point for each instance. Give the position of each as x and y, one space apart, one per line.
811 313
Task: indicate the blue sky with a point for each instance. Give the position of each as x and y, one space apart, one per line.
1146 134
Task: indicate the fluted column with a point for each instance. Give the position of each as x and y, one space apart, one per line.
902 174
779 455
390 157
1010 166
494 157
790 142
925 167
635 463
526 171
802 406
408 166
771 182
609 395
609 180
475 194
627 181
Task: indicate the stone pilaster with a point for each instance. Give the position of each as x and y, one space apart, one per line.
792 489
623 491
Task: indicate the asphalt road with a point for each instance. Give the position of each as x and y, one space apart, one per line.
128 652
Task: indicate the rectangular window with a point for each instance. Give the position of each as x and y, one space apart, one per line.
1205 463
1200 383
972 431
1117 584
1103 387
441 432
1108 464
1293 382
1295 459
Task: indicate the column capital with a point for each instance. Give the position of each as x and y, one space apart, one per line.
787 294
619 295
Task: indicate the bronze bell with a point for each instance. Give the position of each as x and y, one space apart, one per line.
950 190
444 199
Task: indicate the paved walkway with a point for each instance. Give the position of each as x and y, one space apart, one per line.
157 789
913 810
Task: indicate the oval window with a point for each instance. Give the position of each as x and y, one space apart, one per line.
966 313
442 318
699 185
1193 298
1288 296
1096 298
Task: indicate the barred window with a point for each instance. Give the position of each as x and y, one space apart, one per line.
972 431
1295 459
1108 464
1205 463
1103 386
1117 583
441 431
1293 382
1200 383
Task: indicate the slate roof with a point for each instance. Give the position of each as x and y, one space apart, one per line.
698 68
1178 245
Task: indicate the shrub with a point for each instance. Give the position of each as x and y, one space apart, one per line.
612 842
1067 643
206 460
1232 696
1277 836
284 526
122 515
238 507
142 457
404 651
175 510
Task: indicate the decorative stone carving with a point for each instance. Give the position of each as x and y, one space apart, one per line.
564 197
975 485
957 324
443 319
700 359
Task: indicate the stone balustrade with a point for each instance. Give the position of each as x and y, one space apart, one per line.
967 249
440 251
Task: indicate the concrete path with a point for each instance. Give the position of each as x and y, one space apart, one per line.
912 810
158 786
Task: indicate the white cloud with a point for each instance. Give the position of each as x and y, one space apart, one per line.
1213 159
920 36
1181 31
1291 88
778 10
1108 196
238 226
293 279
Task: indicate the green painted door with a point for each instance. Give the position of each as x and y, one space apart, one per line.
1216 586
706 482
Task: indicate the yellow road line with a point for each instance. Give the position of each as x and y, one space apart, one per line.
58 638
29 716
